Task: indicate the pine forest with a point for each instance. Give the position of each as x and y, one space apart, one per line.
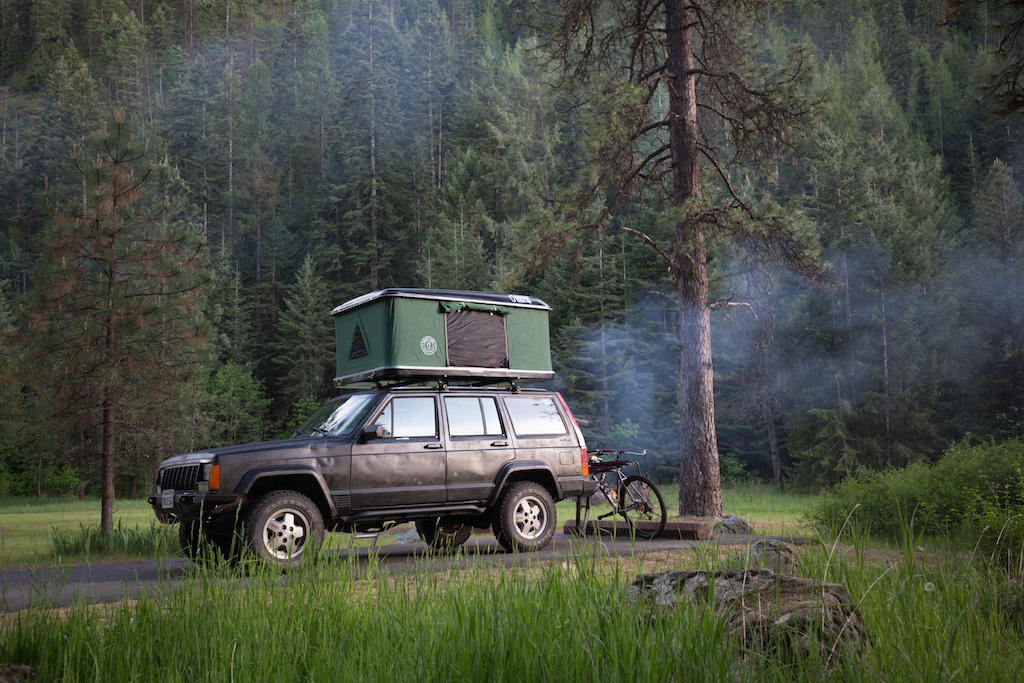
188 188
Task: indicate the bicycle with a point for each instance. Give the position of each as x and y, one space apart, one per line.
635 497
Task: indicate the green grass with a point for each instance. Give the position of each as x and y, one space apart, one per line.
946 614
46 531
27 526
768 510
568 620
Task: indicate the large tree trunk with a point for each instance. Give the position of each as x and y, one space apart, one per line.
700 491
107 481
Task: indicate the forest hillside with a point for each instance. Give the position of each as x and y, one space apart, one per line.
188 188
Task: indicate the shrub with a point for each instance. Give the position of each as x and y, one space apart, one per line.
976 492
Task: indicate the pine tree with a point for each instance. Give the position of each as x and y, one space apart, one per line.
233 408
996 295
660 84
305 347
365 189
114 328
122 54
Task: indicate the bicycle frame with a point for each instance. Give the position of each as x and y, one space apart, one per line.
635 496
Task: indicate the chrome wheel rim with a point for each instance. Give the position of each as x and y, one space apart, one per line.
284 534
529 518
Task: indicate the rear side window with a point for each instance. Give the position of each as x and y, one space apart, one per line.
472 416
535 416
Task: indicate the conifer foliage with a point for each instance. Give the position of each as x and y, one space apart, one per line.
113 324
680 96
645 167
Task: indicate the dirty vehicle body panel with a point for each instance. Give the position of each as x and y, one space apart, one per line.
415 454
424 435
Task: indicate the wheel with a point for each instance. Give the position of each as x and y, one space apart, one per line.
285 529
441 534
526 517
640 502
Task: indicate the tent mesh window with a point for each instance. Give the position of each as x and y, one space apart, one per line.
358 349
476 338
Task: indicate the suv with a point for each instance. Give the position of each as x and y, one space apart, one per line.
450 459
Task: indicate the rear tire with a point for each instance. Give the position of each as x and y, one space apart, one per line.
284 529
640 502
526 517
441 534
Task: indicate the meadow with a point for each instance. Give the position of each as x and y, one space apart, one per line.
933 612
51 531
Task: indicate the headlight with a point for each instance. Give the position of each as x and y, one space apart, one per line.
209 477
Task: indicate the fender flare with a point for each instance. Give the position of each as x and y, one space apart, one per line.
521 466
253 476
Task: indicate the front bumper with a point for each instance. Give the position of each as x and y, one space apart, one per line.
174 506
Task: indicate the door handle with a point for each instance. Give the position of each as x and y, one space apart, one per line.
499 443
433 446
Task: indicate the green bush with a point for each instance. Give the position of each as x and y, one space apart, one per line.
975 492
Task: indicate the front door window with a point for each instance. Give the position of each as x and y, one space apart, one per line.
410 417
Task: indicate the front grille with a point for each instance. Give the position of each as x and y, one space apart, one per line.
181 478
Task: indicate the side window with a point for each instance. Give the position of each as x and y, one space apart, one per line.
409 417
535 416
472 416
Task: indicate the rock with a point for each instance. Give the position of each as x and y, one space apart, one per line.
785 616
732 524
15 673
768 553
410 536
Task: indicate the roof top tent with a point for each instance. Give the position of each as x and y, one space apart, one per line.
432 334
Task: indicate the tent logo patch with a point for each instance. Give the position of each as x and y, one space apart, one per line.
428 345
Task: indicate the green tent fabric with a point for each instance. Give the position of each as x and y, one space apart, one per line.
423 334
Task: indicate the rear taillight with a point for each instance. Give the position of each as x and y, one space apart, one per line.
584 463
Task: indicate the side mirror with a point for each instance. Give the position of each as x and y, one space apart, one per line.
371 432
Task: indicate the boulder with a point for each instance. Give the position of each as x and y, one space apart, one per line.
410 536
732 524
782 616
768 553
15 673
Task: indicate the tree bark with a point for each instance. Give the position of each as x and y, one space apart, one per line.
700 491
107 467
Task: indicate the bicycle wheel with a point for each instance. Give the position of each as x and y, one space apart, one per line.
640 502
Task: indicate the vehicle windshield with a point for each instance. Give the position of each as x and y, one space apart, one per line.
337 417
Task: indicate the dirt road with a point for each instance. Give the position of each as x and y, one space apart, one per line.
111 582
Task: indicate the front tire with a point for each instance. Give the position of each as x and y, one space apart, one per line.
202 542
441 534
284 529
526 517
